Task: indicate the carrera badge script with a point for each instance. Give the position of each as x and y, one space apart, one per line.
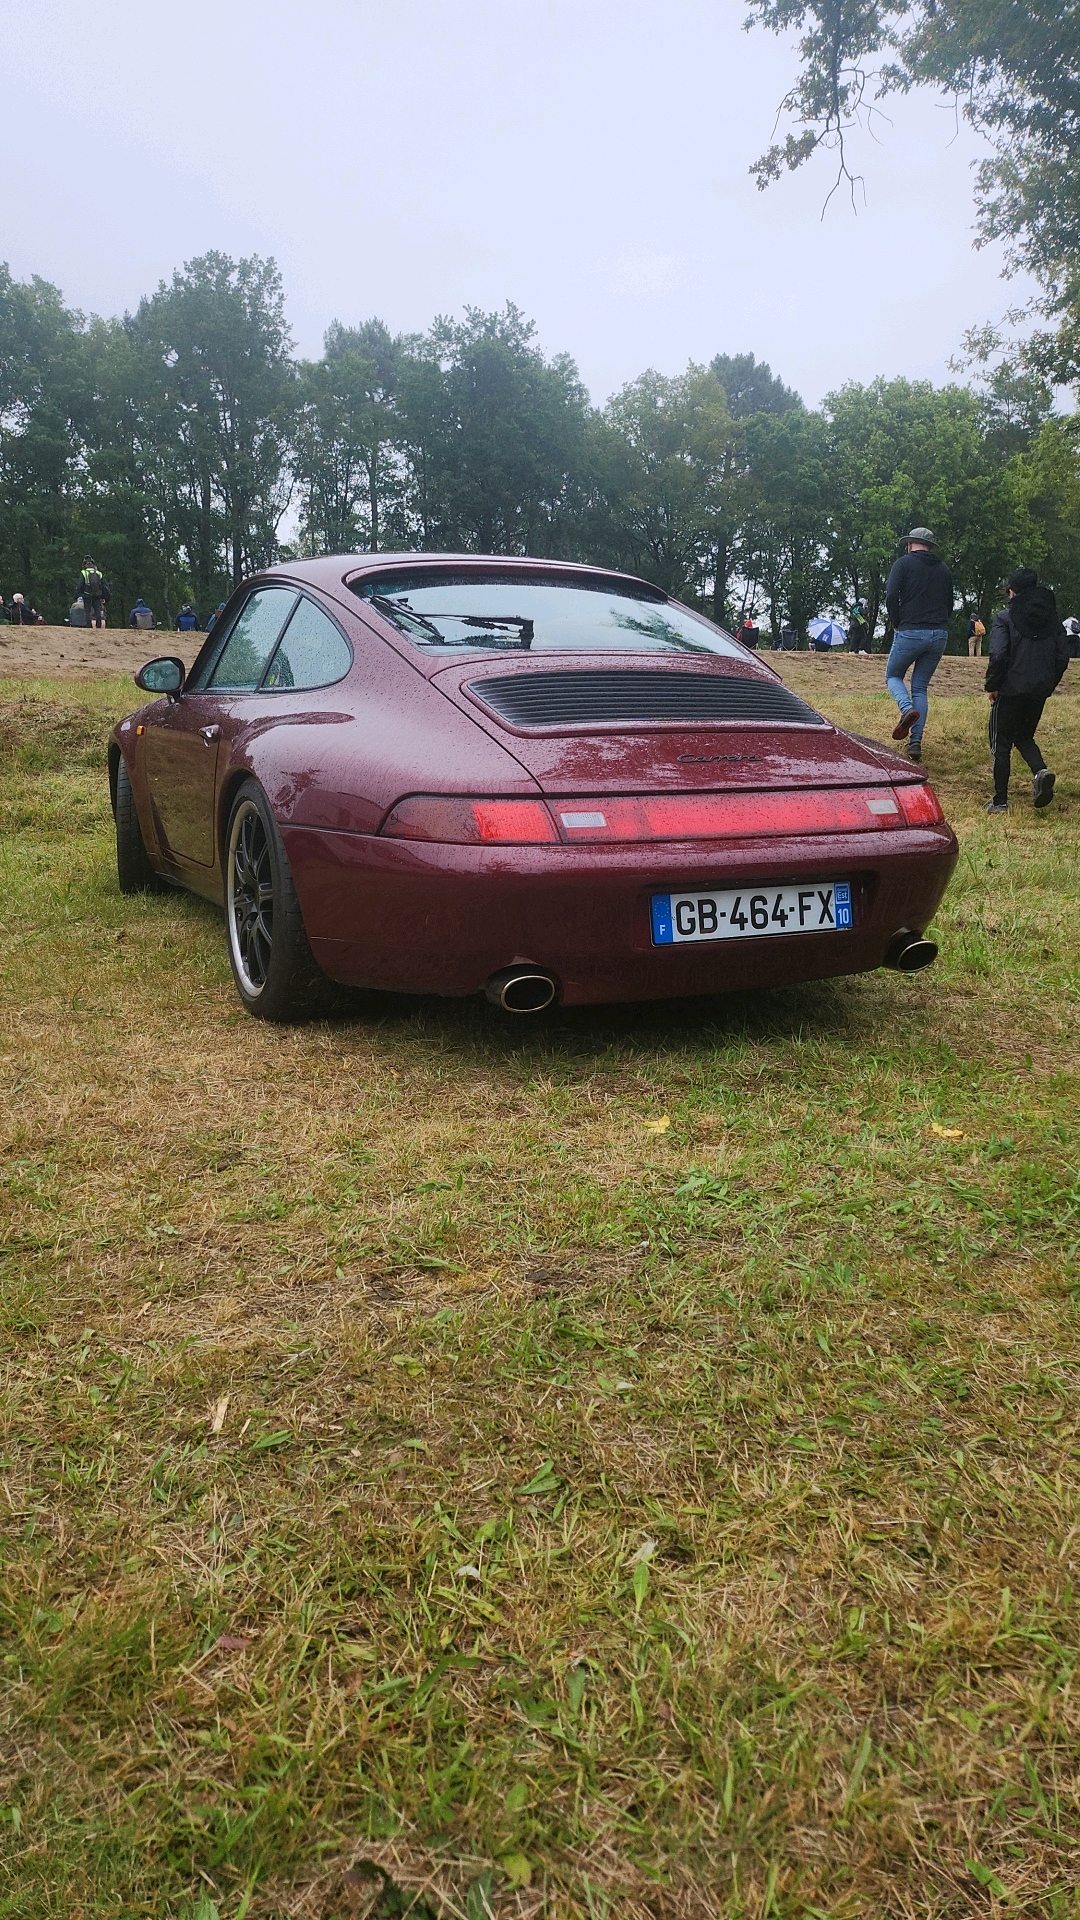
734 759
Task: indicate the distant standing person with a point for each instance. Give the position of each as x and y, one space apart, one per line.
919 596
186 620
859 628
94 589
1029 652
976 634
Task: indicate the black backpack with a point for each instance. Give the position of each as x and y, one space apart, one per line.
92 582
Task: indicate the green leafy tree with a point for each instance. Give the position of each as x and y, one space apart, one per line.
751 386
899 454
221 344
1014 72
494 435
783 538
127 512
1014 403
991 530
45 407
1044 479
348 442
665 456
904 453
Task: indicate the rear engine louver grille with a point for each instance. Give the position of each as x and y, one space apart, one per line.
576 699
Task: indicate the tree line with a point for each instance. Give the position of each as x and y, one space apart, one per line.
186 445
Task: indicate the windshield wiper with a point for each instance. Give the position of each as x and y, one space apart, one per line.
525 627
392 609
485 621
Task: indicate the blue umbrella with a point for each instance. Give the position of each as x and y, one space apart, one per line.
828 633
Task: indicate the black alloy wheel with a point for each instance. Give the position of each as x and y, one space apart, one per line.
251 899
273 966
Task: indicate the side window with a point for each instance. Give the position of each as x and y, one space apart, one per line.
312 652
251 642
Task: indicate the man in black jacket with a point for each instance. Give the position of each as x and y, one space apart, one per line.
1029 652
919 598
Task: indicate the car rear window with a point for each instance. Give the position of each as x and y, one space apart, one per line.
456 611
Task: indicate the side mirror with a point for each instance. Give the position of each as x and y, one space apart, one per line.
166 675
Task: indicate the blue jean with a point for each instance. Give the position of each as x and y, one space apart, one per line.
920 649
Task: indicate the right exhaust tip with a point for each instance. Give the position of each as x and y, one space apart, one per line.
909 953
521 990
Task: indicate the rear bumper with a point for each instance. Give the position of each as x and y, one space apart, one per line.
423 918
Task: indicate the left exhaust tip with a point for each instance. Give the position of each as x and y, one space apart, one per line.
521 990
909 953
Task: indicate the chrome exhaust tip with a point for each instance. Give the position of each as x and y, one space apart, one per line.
521 990
908 952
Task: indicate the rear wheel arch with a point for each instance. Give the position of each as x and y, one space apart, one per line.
226 802
135 870
114 772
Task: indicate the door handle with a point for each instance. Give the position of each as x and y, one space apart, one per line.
209 735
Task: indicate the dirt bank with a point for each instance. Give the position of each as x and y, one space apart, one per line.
80 653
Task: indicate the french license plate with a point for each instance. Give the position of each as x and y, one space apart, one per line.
816 906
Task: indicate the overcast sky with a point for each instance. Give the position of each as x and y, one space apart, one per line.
585 159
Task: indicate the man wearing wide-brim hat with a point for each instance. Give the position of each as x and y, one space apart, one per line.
919 597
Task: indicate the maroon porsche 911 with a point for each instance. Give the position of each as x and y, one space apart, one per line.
453 774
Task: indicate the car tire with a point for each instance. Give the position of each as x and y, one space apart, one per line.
133 868
275 971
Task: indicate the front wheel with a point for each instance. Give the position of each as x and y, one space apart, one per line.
273 965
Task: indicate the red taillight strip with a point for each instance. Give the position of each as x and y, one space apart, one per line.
727 816
663 816
919 804
463 823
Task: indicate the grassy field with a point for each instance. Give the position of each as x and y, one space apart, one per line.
622 1465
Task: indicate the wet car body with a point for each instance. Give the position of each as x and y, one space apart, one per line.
698 785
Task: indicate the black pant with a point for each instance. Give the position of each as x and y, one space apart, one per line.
94 609
1014 718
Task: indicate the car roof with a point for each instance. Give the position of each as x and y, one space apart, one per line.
344 569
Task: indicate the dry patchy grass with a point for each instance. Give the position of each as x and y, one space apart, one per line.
428 1486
